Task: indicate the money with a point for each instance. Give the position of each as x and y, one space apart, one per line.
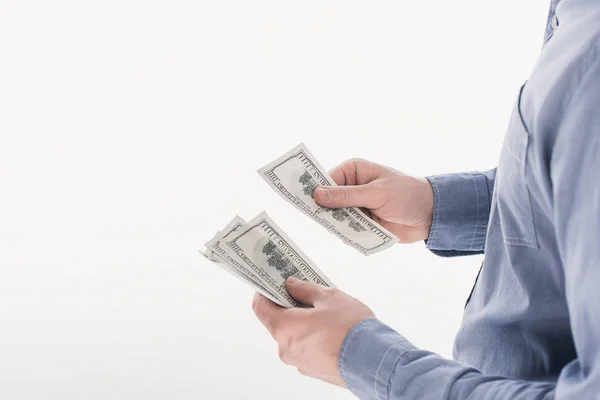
216 253
260 254
296 175
263 256
208 253
268 251
255 285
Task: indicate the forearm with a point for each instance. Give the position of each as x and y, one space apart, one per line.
461 211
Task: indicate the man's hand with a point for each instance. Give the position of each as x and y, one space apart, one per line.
311 338
400 203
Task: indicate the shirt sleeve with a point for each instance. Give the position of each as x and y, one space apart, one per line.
379 364
460 213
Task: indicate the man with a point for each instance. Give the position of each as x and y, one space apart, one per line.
531 328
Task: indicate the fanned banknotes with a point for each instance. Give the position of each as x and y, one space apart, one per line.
296 175
216 252
263 256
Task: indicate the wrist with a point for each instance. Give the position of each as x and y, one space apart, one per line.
428 202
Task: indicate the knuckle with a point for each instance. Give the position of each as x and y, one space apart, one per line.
284 355
329 293
358 163
362 189
344 192
348 163
282 336
292 345
355 160
278 334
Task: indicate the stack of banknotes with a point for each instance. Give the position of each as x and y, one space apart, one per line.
259 253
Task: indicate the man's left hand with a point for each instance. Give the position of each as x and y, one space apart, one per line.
311 338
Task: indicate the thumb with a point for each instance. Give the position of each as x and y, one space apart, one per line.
346 196
304 292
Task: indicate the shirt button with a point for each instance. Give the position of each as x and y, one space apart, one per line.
554 23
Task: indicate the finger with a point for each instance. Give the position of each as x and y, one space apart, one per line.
349 196
268 313
305 292
355 172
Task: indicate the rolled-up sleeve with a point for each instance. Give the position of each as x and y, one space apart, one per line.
461 212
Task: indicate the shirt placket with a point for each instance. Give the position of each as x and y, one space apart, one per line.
552 23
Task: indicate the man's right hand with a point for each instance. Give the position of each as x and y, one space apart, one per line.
400 203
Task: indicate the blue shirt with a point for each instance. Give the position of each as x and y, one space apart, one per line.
531 327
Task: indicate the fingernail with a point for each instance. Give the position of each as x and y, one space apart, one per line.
324 194
292 280
255 298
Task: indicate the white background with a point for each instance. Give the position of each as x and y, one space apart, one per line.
130 131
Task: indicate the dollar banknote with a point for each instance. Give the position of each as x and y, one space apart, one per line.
215 253
296 175
208 253
263 256
264 248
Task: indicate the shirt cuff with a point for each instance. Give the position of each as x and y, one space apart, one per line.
368 357
460 213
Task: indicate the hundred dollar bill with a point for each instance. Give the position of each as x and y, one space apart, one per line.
296 175
254 285
215 253
208 253
264 248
